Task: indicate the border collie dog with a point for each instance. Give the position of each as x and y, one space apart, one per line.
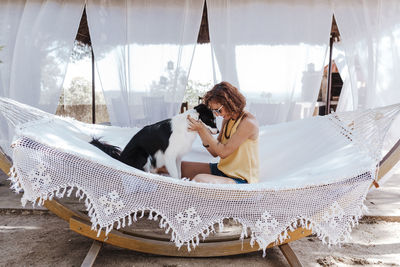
161 144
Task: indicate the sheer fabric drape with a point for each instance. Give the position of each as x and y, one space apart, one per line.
369 50
143 52
10 16
273 51
37 38
370 33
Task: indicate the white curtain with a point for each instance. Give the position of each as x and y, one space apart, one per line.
346 98
37 38
273 51
143 51
370 32
370 50
10 16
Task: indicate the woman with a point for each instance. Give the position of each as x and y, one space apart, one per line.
236 145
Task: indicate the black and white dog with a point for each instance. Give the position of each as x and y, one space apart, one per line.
161 144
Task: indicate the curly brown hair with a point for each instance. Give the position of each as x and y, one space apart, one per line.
227 95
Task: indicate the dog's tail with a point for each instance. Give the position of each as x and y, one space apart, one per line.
111 150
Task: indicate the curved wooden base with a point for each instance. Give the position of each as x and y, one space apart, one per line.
168 248
81 224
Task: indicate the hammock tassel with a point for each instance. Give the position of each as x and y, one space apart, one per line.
109 228
162 223
221 225
91 211
212 229
70 191
203 235
207 231
252 240
264 252
62 192
173 236
40 201
188 247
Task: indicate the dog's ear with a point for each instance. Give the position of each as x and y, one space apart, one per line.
200 107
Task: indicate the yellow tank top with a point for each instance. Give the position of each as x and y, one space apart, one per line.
243 163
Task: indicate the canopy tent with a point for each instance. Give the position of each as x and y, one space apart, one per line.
134 57
30 52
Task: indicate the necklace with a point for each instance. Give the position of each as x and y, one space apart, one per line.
226 127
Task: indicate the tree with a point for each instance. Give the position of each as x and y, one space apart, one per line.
80 92
194 90
81 51
169 84
176 78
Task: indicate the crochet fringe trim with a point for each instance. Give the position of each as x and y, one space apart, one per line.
154 214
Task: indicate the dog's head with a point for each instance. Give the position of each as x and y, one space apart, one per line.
207 117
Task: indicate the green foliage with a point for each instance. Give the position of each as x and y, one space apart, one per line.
176 78
194 90
80 51
80 92
169 83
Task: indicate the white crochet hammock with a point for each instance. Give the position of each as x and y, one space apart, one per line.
315 173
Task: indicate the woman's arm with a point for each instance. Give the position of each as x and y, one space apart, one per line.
209 148
247 129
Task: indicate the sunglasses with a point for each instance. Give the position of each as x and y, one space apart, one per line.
218 110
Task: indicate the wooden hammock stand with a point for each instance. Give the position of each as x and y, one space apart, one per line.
147 237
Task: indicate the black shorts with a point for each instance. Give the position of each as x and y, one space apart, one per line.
215 171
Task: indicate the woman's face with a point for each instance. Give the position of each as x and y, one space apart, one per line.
218 109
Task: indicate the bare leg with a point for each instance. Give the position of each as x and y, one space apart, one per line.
191 169
212 179
200 172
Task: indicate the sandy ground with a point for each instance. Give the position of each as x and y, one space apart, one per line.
39 238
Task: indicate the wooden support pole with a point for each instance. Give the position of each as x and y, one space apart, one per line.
93 90
290 255
329 89
92 254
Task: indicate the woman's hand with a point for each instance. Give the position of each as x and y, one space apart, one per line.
194 125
